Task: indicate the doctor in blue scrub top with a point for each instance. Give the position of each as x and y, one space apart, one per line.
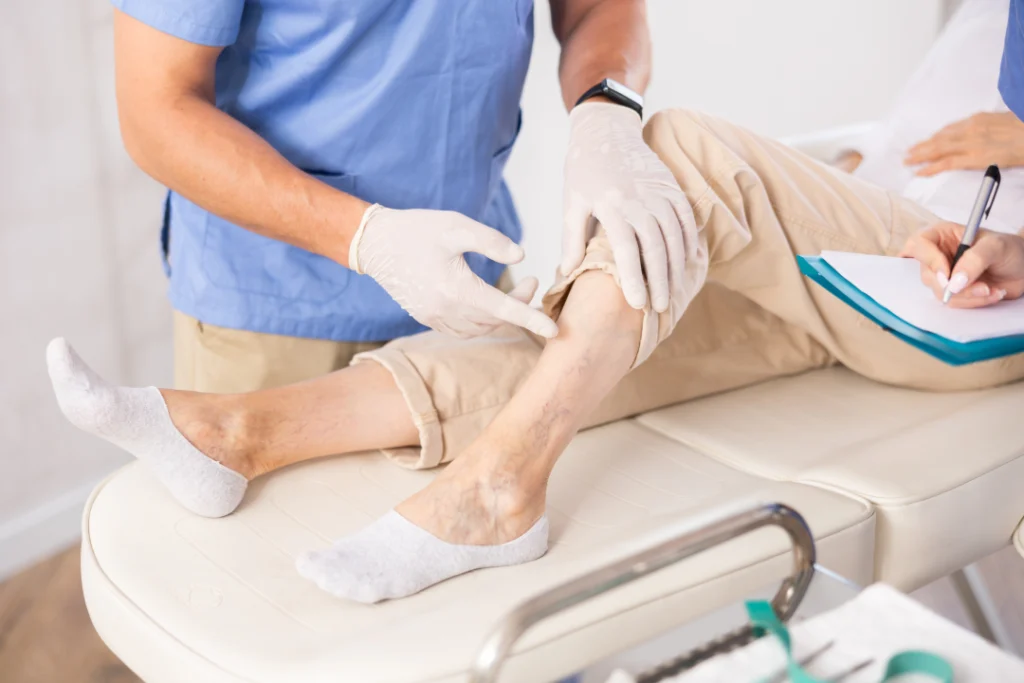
1011 73
335 169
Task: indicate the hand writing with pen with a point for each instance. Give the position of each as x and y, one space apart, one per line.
990 271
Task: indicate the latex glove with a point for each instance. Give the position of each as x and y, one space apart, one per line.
973 143
990 271
613 176
416 255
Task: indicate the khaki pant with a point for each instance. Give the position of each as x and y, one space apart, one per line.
748 314
221 360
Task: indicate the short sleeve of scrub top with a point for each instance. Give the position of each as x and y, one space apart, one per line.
1011 75
206 22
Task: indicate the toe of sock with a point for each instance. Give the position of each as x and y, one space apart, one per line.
331 573
58 351
65 365
81 393
392 558
310 566
59 362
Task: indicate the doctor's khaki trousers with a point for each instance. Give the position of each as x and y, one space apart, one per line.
221 360
747 314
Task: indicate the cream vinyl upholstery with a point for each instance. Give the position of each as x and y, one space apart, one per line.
184 598
944 472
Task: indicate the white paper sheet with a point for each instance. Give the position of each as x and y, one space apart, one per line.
895 283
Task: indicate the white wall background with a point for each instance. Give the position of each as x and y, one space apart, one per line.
78 223
78 257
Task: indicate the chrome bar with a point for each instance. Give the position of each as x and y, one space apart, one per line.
689 542
981 608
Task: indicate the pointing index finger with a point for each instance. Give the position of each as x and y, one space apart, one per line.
511 310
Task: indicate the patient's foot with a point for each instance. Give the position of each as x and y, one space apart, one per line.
393 558
477 513
848 160
138 421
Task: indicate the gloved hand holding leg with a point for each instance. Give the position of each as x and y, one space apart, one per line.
611 175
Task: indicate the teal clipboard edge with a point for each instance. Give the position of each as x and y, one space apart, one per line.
946 350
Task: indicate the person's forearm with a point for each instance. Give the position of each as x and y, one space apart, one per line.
601 39
213 160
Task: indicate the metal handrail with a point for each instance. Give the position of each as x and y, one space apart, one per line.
496 648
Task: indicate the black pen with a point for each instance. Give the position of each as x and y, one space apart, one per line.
982 208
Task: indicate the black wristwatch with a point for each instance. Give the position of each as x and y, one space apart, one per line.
617 93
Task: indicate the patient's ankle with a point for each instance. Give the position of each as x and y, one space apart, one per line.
487 496
221 428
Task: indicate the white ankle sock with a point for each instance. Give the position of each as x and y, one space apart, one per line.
393 558
137 421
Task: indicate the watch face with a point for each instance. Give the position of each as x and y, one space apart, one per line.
624 91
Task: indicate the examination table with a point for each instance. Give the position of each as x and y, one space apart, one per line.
896 485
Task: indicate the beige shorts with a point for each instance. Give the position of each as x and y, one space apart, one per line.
747 315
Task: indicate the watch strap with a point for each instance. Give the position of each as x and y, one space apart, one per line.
616 93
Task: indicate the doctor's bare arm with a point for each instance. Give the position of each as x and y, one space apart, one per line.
174 132
601 39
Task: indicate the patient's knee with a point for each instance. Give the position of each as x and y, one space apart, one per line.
676 130
688 148
677 115
684 137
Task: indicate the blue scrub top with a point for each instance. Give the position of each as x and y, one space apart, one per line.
1011 73
405 103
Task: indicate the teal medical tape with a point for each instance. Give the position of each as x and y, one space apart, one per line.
765 621
918 662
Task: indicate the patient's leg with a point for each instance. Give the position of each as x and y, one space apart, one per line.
494 491
205 447
354 409
487 508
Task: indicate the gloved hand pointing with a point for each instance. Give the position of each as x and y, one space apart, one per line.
416 255
613 176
